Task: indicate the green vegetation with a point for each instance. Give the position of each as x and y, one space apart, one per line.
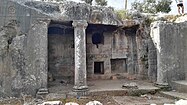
152 6
122 14
101 2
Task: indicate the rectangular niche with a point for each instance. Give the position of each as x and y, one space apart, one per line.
98 67
118 65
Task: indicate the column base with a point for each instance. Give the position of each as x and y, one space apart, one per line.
80 91
81 88
42 91
163 86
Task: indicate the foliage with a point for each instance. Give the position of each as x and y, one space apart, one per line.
148 21
101 2
111 8
122 14
152 6
163 6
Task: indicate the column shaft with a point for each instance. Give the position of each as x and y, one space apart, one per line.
80 54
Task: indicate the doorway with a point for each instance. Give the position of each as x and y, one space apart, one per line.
60 53
98 67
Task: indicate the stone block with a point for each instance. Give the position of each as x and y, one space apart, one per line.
114 77
42 91
94 103
131 85
71 103
52 103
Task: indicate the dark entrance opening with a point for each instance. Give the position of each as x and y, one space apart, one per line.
60 54
97 38
98 67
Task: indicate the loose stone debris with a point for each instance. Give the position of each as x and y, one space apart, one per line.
71 103
52 103
94 103
131 85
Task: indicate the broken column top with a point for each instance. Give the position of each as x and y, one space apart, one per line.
69 11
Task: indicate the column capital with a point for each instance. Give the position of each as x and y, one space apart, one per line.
80 23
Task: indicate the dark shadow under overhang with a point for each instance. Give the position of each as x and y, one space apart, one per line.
67 25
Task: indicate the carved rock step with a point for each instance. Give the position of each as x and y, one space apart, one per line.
172 94
180 86
42 91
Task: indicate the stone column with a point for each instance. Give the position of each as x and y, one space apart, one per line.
80 83
41 45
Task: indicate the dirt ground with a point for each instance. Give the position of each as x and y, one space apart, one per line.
142 100
108 92
106 100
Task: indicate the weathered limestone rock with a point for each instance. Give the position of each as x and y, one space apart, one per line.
131 85
152 61
142 52
23 59
94 103
69 10
52 103
71 103
11 57
181 19
170 42
132 53
24 45
24 42
146 54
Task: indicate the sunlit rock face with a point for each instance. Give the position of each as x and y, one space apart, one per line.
69 10
181 19
170 42
23 59
24 43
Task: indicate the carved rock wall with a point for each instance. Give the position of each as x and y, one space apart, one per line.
23 59
170 42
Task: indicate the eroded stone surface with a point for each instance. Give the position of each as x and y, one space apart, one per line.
94 103
69 10
52 103
80 54
19 60
181 19
71 103
169 39
123 51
